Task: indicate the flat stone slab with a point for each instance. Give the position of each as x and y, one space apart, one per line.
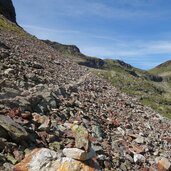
15 131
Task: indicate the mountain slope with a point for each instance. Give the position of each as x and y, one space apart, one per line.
150 88
49 102
74 53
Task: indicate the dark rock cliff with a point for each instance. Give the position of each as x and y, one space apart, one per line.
7 10
70 49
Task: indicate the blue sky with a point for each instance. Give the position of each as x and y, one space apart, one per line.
135 31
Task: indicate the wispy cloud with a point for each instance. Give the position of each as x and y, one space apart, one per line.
52 30
53 34
144 55
131 49
118 9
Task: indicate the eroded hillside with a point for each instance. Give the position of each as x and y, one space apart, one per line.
57 115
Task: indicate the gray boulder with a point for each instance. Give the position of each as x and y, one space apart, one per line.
15 131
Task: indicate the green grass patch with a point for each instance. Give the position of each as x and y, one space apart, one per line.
9 26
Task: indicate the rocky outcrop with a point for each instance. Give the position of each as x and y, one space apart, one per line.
74 51
7 10
125 65
154 78
93 63
45 159
70 49
69 159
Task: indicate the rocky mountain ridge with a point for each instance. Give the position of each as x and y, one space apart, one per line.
94 62
7 10
57 115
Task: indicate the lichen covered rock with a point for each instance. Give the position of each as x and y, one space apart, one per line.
45 159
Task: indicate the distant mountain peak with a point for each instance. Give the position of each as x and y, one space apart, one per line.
7 10
165 64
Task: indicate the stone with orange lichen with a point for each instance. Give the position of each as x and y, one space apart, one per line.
38 159
44 159
74 165
68 164
164 164
23 165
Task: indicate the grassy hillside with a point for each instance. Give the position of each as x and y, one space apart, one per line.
6 24
163 69
150 93
12 27
149 87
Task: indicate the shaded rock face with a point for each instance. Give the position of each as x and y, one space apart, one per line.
7 10
122 63
153 78
93 63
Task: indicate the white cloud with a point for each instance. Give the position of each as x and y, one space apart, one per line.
53 34
131 49
50 30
